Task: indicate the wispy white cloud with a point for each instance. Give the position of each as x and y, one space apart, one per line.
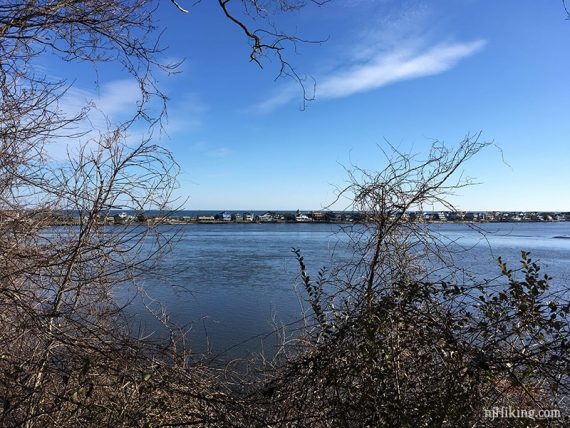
113 100
116 101
278 99
381 69
108 105
118 97
396 66
409 24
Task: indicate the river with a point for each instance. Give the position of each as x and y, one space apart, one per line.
231 284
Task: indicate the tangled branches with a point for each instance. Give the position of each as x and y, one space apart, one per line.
390 347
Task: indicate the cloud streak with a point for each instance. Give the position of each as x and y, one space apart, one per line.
383 69
394 67
110 104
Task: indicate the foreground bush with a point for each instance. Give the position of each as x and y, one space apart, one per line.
431 354
399 338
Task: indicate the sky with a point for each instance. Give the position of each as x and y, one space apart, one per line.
403 72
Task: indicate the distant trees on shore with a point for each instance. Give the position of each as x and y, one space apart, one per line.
55 218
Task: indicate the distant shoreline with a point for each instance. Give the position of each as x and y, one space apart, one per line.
174 221
69 218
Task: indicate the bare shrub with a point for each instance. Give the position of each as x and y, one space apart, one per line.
67 354
389 346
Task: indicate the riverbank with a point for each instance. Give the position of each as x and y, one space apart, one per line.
75 221
288 217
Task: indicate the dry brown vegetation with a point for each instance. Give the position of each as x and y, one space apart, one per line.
386 343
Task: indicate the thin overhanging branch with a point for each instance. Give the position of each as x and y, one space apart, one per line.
264 42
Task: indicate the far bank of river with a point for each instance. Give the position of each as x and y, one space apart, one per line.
115 217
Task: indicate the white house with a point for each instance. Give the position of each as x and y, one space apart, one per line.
302 218
266 218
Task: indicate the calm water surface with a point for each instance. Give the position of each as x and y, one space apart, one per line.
231 283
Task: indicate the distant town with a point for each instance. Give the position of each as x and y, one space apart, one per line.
227 217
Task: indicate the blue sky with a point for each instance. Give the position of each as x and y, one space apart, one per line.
407 72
